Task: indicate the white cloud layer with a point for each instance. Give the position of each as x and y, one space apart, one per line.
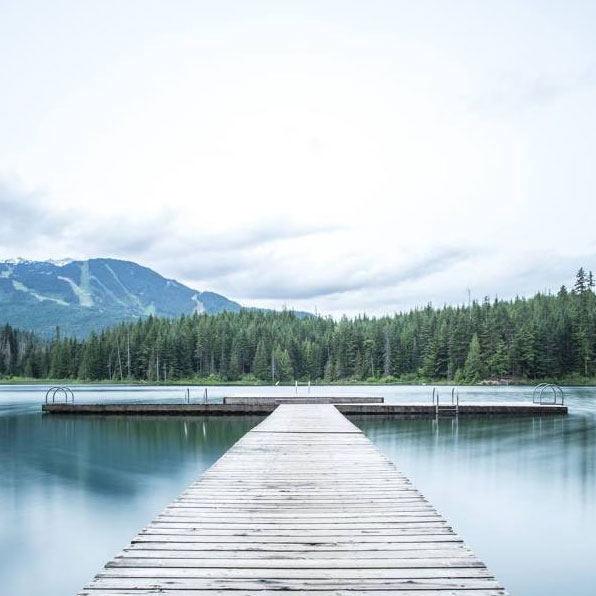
346 156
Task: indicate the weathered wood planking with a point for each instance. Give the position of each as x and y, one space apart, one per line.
306 504
266 407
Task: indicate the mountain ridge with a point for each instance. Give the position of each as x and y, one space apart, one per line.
84 295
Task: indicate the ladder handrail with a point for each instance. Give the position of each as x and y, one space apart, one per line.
450 409
557 392
67 391
539 386
455 396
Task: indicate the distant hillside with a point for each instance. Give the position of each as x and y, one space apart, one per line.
83 295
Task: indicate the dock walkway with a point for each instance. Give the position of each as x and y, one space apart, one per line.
304 503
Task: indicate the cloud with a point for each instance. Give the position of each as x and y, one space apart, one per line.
33 225
344 170
276 262
196 266
30 222
167 237
258 234
215 255
25 217
287 283
123 237
514 92
204 257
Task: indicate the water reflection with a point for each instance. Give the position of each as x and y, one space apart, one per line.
74 490
564 447
521 491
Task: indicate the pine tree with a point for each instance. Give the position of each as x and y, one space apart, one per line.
386 351
474 368
329 375
580 282
234 368
261 366
523 353
499 362
284 365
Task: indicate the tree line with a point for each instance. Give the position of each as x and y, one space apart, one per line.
547 336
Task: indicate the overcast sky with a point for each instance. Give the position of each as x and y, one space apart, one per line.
349 156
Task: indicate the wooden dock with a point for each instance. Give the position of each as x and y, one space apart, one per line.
267 407
303 504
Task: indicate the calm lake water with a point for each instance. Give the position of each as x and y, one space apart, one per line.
74 491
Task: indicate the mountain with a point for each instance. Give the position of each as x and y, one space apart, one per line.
80 296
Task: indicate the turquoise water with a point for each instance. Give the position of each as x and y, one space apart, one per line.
73 491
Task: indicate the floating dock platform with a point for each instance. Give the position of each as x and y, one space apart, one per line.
266 407
303 505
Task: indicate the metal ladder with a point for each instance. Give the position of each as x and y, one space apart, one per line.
554 394
187 396
66 392
446 410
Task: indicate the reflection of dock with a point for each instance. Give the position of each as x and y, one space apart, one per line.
263 406
304 504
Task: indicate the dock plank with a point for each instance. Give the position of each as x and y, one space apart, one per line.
304 503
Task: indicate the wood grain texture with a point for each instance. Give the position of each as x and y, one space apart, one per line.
306 504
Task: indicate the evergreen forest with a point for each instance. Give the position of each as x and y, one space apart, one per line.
547 336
